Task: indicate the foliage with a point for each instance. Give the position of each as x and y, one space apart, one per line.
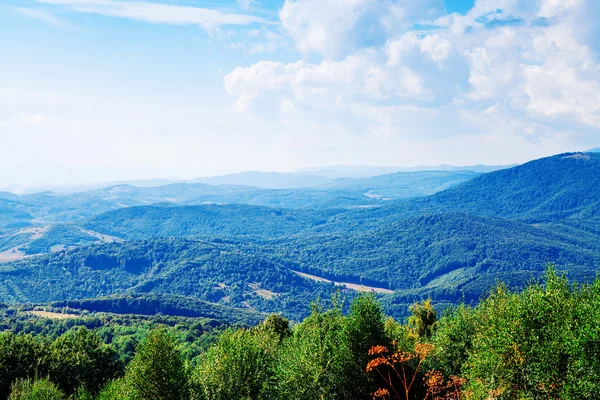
27 389
312 363
78 359
238 366
423 318
21 357
158 372
540 342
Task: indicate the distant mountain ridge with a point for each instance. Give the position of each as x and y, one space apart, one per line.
21 211
346 171
301 178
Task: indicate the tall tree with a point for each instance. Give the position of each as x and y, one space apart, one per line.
157 371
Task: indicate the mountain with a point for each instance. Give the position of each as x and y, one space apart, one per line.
558 187
444 256
448 253
347 171
230 272
595 150
206 220
18 243
49 207
266 180
403 185
451 245
165 304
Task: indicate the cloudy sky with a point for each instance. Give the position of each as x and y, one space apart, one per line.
98 90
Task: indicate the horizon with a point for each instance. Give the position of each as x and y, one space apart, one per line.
115 90
344 172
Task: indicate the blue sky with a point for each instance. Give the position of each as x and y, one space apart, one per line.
98 90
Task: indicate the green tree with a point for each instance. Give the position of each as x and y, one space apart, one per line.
423 318
27 389
314 361
21 356
453 340
277 324
118 389
365 328
157 371
520 344
79 359
238 366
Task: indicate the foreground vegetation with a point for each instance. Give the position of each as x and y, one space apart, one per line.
542 342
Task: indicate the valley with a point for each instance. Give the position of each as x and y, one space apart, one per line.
457 235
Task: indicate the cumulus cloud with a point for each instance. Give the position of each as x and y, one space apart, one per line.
335 28
436 47
512 67
358 76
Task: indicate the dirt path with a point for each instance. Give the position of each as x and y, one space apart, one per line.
352 286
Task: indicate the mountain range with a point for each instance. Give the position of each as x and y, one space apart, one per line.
439 234
301 178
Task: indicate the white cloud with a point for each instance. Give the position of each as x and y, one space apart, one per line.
436 47
321 26
157 13
373 82
261 40
358 76
497 71
334 28
552 8
44 16
247 4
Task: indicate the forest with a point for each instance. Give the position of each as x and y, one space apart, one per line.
540 342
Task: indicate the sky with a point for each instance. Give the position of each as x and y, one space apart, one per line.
105 90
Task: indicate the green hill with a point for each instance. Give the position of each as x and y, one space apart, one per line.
558 187
165 304
206 220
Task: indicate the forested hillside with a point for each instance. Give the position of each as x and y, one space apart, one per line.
541 342
456 244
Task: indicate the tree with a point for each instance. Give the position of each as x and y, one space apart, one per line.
116 390
453 340
365 328
277 324
423 318
21 356
314 361
238 366
79 359
27 389
157 372
521 348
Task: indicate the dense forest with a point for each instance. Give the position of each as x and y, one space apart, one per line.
541 342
